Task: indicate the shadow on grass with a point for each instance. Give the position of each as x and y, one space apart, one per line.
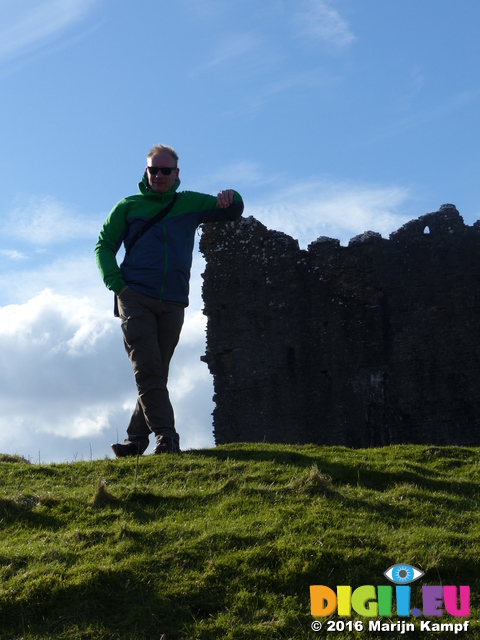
359 474
24 509
145 603
104 605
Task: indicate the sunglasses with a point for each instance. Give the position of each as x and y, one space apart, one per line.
166 171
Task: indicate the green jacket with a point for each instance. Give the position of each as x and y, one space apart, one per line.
159 262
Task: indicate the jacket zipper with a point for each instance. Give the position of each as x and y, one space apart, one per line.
166 261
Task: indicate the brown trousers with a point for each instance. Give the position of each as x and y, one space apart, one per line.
151 330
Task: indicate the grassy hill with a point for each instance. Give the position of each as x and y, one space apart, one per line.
225 542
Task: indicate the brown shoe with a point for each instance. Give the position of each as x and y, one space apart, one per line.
166 445
124 450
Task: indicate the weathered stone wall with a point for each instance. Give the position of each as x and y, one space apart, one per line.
367 345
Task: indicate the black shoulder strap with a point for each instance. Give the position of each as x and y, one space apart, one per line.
160 215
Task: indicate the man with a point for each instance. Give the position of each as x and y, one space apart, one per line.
152 285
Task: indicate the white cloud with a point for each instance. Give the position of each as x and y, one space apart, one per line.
66 378
55 369
44 220
314 208
72 274
54 322
12 254
317 20
234 175
297 80
232 48
187 377
418 79
26 25
246 56
193 331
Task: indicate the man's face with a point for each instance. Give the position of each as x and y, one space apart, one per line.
159 182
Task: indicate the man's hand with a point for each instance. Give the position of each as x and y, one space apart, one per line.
225 198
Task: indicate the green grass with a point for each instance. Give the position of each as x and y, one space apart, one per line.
225 542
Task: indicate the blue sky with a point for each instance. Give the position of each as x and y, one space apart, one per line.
330 117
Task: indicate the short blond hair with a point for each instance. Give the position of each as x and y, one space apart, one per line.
158 148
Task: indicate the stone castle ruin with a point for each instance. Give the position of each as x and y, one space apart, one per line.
373 344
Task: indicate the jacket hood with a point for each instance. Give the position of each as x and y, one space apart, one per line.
146 190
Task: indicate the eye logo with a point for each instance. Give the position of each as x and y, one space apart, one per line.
403 573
